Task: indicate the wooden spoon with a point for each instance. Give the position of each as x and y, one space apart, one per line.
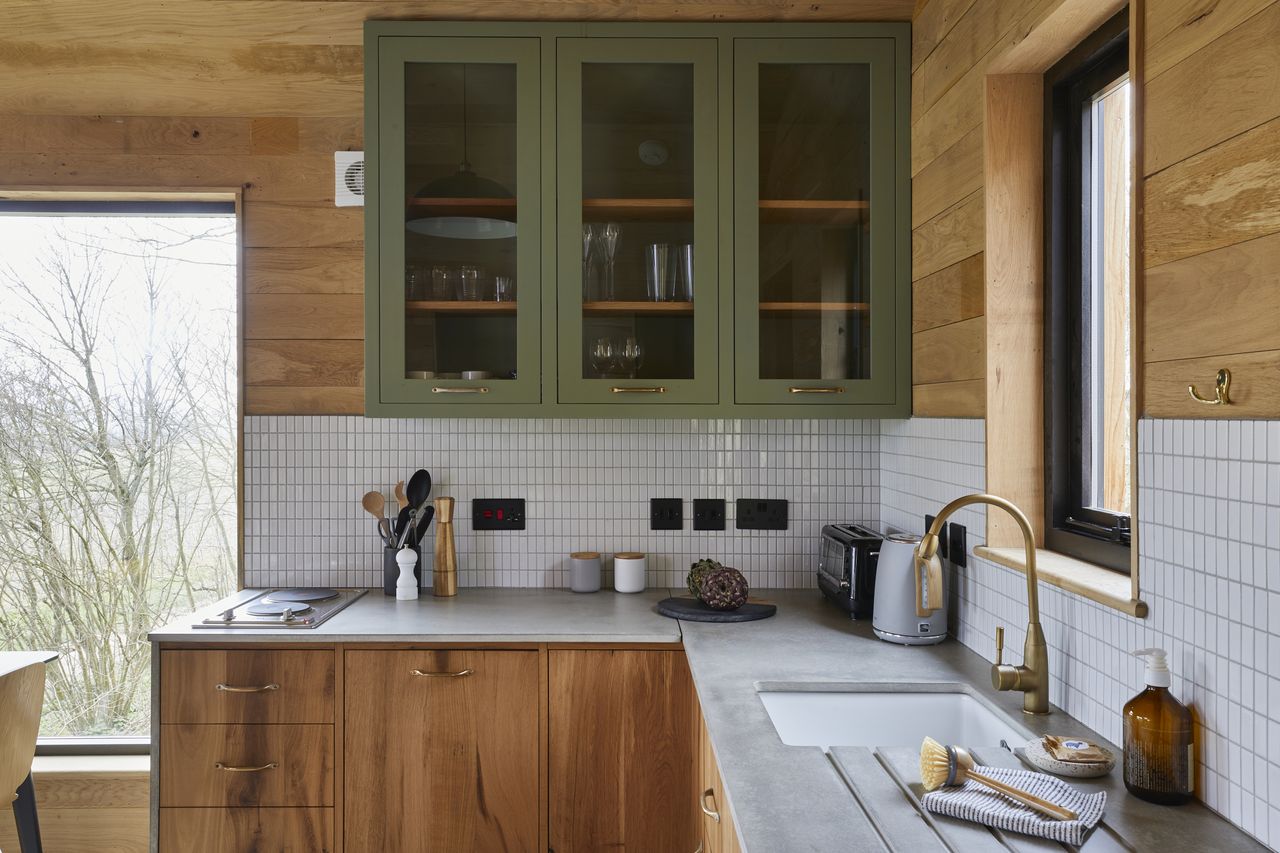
374 503
402 500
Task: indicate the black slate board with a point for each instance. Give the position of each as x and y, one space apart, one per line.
695 611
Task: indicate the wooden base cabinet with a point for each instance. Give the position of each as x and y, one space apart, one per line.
223 830
718 832
441 751
622 752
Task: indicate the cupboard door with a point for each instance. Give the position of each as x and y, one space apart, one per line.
457 225
637 241
718 832
441 751
622 752
222 830
815 212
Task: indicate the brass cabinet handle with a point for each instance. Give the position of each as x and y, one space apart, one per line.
652 389
229 688
464 389
459 674
711 813
831 389
232 768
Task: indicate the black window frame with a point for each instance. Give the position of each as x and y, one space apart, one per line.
1087 533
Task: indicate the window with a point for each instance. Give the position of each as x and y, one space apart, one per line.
118 442
1088 383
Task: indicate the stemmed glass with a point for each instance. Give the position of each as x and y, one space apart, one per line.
588 259
603 356
631 356
608 240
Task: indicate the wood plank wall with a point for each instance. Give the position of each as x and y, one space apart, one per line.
1212 221
259 93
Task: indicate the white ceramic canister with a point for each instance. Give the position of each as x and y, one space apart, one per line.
584 571
629 571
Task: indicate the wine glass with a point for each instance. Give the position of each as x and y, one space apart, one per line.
603 356
631 357
588 259
608 239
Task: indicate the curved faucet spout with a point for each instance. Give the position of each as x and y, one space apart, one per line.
1032 678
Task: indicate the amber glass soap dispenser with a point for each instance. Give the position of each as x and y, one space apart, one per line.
1158 758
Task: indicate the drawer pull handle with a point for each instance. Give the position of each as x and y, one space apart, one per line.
711 813
459 674
831 389
231 688
232 768
475 389
650 389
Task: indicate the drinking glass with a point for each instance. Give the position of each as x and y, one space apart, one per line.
631 357
469 284
444 283
603 356
504 288
682 280
415 282
657 270
608 239
588 261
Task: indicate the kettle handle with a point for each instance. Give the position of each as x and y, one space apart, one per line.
928 577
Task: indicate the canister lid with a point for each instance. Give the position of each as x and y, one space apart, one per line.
585 555
910 538
629 555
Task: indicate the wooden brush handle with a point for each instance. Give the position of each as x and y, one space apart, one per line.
1030 800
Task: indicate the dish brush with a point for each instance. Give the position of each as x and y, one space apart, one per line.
952 765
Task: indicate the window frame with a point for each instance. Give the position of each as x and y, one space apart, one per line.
1087 533
143 203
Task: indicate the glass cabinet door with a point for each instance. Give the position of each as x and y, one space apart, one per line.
637 200
814 254
459 207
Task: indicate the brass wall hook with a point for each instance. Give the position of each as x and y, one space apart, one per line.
1221 390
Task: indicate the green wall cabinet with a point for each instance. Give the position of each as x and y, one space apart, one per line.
637 220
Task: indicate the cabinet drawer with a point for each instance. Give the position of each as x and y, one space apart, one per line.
232 765
251 686
222 830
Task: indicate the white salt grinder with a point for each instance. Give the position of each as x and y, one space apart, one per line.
407 583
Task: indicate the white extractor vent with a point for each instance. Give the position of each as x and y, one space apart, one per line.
348 178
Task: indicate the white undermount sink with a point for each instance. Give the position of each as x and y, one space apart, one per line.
827 715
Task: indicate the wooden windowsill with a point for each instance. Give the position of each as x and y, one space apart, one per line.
1093 582
91 765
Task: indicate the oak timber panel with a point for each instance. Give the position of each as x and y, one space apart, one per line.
302 225
302 830
1175 29
931 25
949 353
100 810
949 295
322 400
450 759
303 755
1223 196
953 176
1223 301
275 316
1255 393
294 363
951 236
1223 89
966 399
623 742
297 270
303 693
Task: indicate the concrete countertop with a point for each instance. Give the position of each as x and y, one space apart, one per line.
783 798
472 616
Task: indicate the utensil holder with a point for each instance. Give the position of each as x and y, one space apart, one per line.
391 571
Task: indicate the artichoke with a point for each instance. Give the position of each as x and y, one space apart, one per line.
698 571
724 589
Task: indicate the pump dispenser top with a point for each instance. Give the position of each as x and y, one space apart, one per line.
1157 667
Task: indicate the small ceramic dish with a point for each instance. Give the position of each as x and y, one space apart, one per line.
1040 757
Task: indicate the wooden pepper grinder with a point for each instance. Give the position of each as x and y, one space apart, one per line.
445 576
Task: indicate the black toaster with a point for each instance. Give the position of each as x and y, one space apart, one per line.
847 567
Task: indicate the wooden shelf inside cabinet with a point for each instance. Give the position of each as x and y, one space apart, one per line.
487 208
637 209
812 211
812 307
653 309
448 306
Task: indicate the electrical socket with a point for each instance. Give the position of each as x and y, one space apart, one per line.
958 549
666 514
497 514
708 513
754 514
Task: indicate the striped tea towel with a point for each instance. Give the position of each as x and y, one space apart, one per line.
976 802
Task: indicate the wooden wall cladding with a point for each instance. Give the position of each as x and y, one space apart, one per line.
1211 152
88 809
225 93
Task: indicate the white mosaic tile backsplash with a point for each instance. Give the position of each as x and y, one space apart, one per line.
1209 528
586 483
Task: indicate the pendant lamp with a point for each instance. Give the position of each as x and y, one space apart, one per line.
463 184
